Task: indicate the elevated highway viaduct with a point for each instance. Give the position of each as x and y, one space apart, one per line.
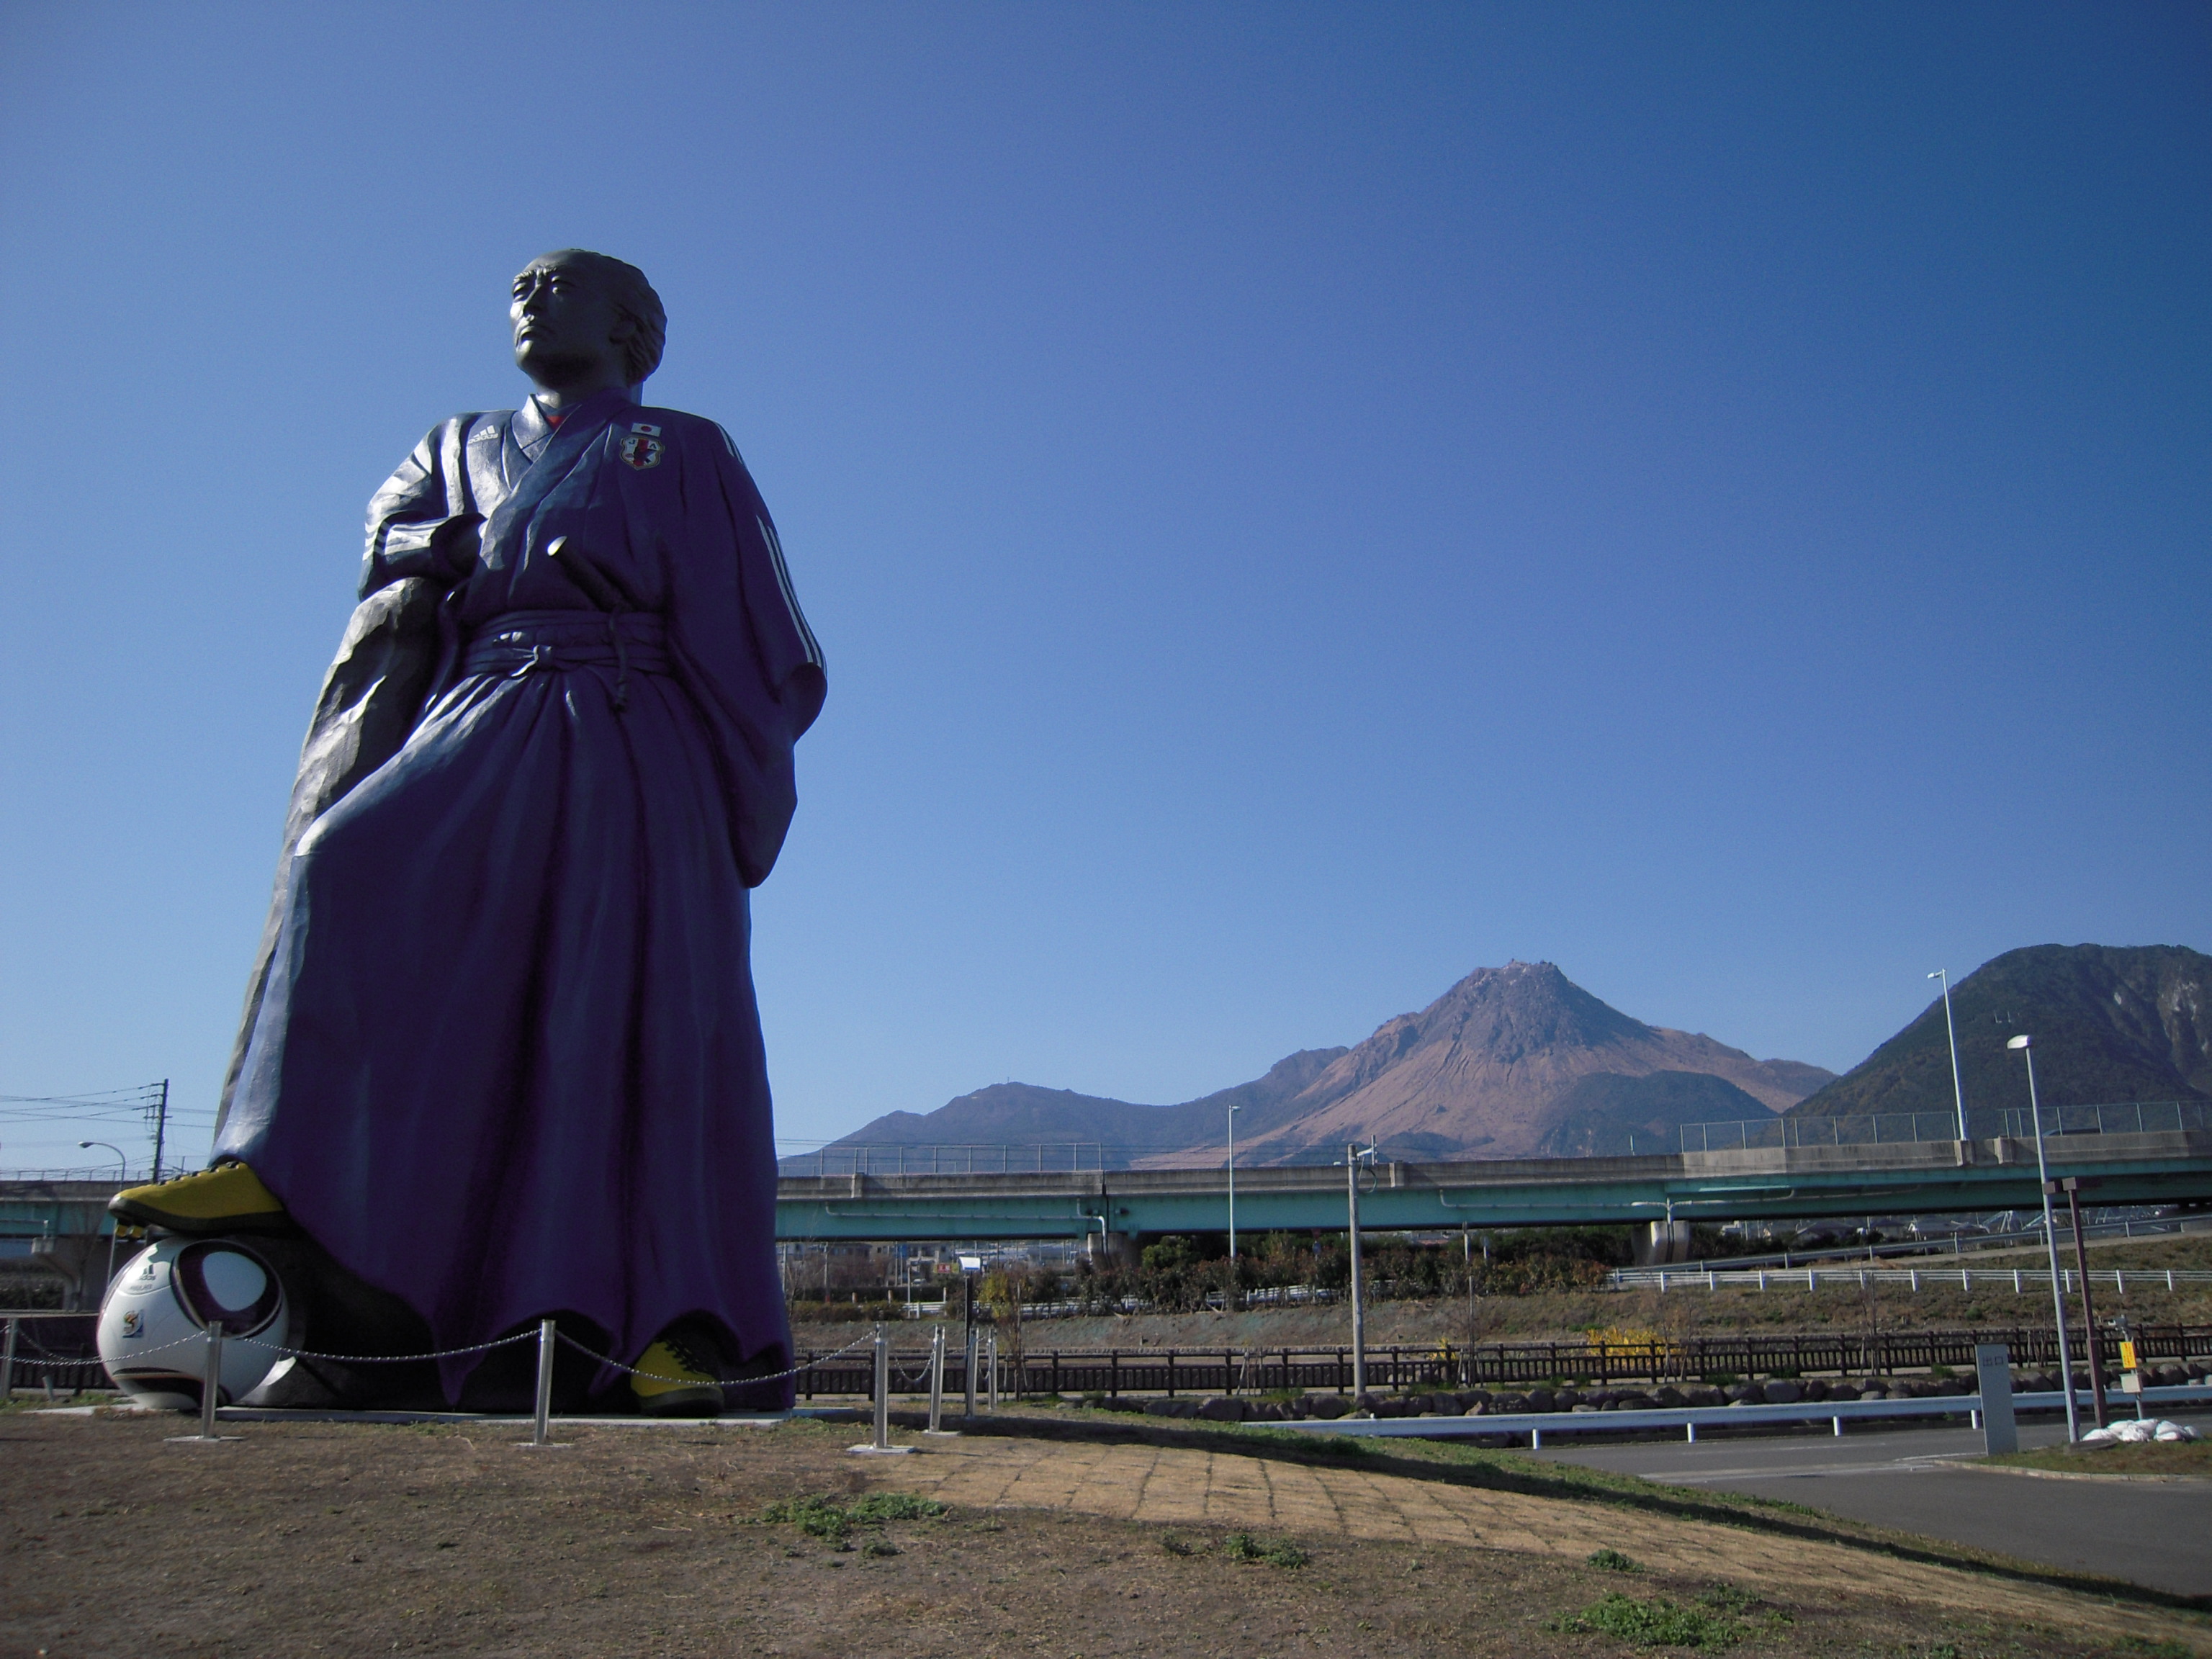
1921 1177
64 1224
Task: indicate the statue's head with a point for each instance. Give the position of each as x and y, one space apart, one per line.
584 320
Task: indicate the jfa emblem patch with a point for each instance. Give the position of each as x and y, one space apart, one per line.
642 447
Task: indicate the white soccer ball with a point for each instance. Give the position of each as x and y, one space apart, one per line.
153 1321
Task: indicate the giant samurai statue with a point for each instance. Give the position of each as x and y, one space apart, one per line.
500 1058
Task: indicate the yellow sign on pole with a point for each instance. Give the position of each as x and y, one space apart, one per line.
2128 1357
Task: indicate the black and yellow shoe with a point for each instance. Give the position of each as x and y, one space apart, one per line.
676 1380
228 1199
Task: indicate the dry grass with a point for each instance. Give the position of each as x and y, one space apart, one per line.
2183 1457
635 1541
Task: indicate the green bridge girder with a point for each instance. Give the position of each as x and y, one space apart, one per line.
1930 1177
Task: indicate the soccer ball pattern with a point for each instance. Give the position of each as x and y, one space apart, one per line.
151 1323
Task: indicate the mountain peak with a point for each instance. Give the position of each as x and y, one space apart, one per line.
1492 1064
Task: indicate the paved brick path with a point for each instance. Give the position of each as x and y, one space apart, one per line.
1185 1486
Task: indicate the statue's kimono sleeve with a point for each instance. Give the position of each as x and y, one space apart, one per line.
419 524
423 521
747 653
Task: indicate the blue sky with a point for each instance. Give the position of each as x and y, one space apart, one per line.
1300 500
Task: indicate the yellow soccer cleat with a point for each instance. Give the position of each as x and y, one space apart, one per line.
228 1199
675 1380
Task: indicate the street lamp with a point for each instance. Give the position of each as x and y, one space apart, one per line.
1958 1089
1232 1183
122 1173
2027 1047
122 1163
1352 1156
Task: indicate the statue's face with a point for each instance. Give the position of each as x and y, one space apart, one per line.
567 330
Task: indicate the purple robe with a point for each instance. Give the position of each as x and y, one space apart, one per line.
504 1060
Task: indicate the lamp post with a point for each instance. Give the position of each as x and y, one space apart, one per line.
1352 1156
122 1174
1958 1089
1232 1183
2027 1047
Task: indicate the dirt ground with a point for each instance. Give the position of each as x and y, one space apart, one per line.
1076 1539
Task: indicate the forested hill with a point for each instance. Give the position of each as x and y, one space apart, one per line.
2111 1022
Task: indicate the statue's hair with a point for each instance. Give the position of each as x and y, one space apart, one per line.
634 298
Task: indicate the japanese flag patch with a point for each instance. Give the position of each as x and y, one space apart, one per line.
642 447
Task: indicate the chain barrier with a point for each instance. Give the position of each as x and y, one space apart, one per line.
720 1382
284 1352
199 1339
195 1340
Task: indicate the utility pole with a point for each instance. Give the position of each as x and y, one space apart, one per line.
969 1267
160 1127
2072 1184
2026 1044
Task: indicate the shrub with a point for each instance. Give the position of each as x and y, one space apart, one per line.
1614 1561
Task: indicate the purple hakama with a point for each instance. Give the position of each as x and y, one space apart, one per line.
505 1058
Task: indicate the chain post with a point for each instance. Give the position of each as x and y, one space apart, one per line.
937 1381
881 1444
211 1382
545 1401
882 1391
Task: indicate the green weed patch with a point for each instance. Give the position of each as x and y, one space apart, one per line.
1281 1552
833 1524
1657 1622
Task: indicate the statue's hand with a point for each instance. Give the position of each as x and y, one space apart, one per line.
459 545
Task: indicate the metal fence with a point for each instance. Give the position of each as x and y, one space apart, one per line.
2017 1280
1113 1371
890 1158
1885 1128
1880 1128
56 1351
